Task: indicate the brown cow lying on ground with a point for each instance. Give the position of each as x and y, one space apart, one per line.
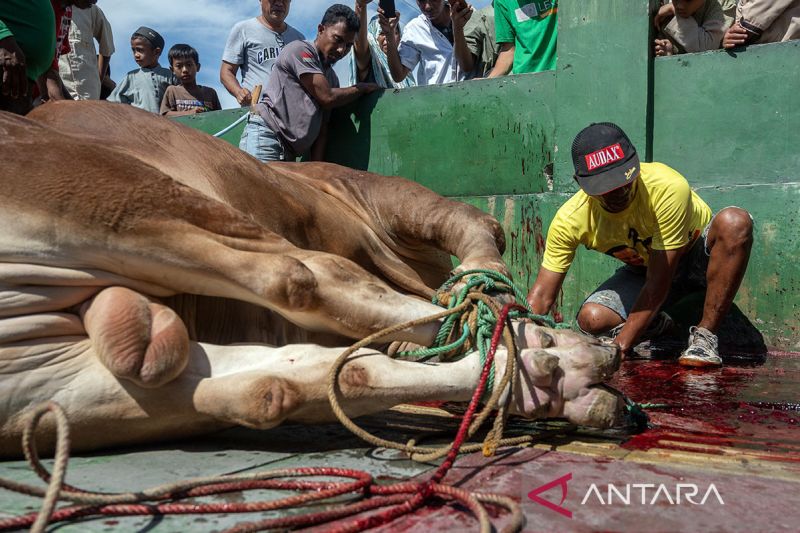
159 283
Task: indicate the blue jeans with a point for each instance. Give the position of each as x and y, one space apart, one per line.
260 141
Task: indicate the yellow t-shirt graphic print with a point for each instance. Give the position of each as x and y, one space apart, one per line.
665 215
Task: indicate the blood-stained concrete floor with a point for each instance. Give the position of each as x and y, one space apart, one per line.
733 428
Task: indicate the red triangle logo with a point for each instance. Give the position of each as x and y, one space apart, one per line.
562 482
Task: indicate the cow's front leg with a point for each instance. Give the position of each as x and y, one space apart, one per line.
135 338
261 387
246 386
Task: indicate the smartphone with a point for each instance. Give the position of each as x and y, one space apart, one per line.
388 8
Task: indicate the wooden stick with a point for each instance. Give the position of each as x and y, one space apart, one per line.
255 96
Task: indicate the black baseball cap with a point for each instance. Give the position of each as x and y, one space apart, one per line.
604 159
151 35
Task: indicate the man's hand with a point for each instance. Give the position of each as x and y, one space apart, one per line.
664 15
55 88
366 88
389 26
243 96
735 36
361 4
12 66
664 47
460 14
624 348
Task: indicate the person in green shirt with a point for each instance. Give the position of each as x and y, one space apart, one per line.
526 33
27 44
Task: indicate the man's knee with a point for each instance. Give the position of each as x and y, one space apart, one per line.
595 319
735 226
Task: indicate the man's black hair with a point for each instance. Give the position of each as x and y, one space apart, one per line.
341 13
184 52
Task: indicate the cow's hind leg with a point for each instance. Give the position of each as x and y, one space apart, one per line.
135 338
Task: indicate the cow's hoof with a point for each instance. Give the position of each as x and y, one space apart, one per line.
136 339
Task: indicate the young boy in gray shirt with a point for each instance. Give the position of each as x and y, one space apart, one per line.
144 87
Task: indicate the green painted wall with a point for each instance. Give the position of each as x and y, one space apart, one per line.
728 122
730 118
500 133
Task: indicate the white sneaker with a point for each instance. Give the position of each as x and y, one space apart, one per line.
702 350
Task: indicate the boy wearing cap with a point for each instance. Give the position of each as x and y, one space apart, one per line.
144 87
647 216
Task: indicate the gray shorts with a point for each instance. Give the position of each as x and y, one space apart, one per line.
620 291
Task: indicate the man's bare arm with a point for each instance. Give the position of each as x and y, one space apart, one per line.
361 44
102 65
227 75
660 272
543 294
388 26
328 97
317 152
461 13
505 61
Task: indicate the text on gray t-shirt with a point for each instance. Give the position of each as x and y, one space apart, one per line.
255 48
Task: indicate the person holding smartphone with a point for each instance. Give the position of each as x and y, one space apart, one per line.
369 62
434 41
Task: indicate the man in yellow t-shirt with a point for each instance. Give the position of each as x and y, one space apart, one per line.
647 216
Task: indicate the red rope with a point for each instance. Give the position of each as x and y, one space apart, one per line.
401 498
423 491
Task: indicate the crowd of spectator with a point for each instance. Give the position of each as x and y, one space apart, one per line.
48 52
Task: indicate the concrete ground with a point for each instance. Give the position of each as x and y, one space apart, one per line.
734 429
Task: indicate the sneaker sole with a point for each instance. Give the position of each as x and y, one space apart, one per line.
697 363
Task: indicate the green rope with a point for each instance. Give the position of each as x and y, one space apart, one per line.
489 282
423 354
495 282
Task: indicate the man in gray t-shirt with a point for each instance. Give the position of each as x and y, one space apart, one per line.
302 89
253 45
